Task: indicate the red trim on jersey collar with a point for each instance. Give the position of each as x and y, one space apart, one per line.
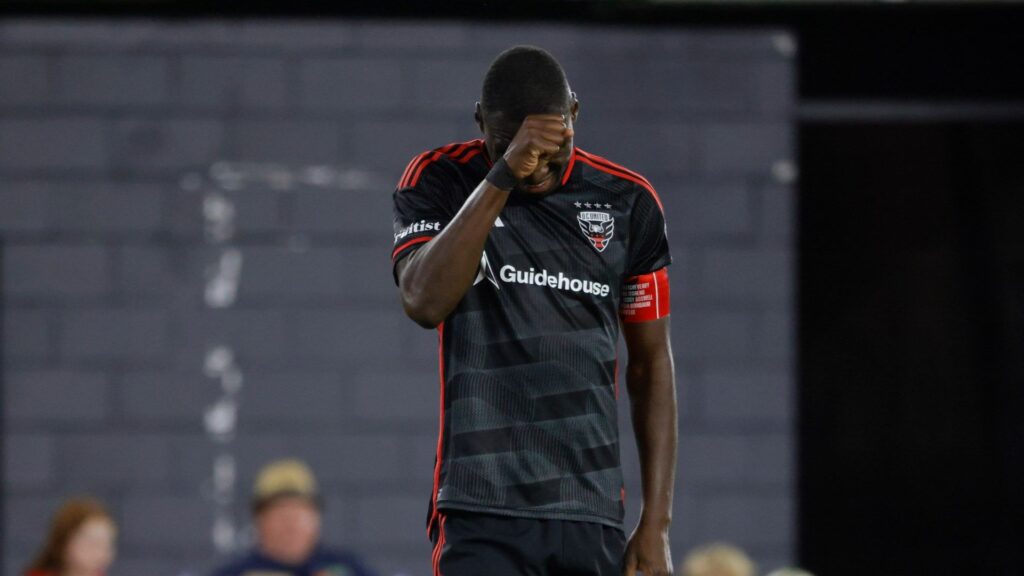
569 166
605 165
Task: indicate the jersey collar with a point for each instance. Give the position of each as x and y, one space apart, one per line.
569 166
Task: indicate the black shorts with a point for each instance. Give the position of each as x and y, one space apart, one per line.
478 544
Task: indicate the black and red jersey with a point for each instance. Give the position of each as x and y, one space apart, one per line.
528 363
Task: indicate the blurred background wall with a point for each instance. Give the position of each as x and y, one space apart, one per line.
195 223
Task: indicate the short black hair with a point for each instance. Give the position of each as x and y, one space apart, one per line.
524 80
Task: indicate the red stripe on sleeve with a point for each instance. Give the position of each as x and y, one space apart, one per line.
459 150
415 168
412 242
416 175
409 169
469 155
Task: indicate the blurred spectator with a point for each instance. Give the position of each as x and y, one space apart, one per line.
80 542
790 572
286 506
717 560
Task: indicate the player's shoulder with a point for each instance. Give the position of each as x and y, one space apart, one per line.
448 158
603 171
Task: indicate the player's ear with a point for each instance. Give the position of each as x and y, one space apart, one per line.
574 108
479 117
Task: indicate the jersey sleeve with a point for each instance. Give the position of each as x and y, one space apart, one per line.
422 207
645 287
648 242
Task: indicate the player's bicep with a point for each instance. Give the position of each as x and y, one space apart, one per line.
649 349
646 338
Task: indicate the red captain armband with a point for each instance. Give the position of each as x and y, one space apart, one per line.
645 297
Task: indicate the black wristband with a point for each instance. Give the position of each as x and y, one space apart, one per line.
501 176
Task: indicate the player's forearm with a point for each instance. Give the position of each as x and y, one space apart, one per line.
652 392
435 277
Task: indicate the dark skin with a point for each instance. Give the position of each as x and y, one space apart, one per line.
650 380
434 278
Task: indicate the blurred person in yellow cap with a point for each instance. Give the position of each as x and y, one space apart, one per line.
717 560
789 572
286 507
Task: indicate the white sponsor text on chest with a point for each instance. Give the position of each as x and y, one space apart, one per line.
510 274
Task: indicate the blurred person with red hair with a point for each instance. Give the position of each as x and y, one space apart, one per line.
81 541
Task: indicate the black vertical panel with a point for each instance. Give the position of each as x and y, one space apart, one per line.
991 161
3 406
911 248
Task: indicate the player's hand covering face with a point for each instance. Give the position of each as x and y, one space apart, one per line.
538 152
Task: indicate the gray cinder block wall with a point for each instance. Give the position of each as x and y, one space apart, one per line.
195 223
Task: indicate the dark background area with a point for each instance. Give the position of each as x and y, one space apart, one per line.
911 324
911 266
911 293
935 51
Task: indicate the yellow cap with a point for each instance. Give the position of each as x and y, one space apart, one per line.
284 478
717 559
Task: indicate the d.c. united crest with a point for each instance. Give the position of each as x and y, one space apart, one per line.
598 227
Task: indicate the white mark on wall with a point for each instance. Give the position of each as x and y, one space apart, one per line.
238 175
222 279
220 419
784 172
219 215
221 188
785 44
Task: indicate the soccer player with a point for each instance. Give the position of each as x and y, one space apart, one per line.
529 256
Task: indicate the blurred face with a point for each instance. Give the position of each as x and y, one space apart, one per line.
91 550
288 530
